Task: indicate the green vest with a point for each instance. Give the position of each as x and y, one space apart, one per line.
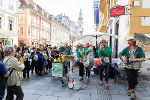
138 53
81 55
104 53
67 50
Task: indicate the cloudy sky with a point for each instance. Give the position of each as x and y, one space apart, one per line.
71 8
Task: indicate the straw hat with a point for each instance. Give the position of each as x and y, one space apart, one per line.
129 38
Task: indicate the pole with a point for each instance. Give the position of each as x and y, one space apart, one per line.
96 40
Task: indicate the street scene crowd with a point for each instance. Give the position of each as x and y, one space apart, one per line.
18 63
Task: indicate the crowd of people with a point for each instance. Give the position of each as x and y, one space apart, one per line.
18 60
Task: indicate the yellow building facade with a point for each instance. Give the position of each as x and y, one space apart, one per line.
140 18
104 13
136 18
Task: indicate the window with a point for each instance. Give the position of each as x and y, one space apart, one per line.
0 22
28 31
21 30
10 25
145 21
145 3
10 5
1 2
21 18
37 20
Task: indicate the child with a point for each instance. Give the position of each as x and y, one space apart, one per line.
26 63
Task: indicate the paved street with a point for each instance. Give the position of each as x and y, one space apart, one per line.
49 88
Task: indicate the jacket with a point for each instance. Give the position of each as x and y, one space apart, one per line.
15 78
138 53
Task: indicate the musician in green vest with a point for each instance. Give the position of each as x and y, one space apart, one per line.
131 52
65 49
81 54
104 51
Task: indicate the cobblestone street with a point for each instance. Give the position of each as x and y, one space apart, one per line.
49 88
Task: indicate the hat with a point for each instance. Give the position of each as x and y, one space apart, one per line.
66 43
79 44
103 40
130 38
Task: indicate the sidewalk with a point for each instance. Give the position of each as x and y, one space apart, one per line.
49 88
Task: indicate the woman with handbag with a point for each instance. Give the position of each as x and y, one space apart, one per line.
104 53
14 81
81 54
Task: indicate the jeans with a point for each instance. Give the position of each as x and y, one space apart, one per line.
106 71
14 90
132 77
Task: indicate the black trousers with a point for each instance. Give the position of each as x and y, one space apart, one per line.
49 65
26 69
40 67
132 77
14 90
81 69
106 71
87 72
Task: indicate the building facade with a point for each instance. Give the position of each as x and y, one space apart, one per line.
37 26
134 20
8 22
33 23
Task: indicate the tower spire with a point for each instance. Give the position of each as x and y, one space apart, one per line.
80 18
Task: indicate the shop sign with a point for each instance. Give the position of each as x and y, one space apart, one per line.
117 11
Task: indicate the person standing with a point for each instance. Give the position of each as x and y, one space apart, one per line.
131 52
33 63
65 50
104 53
81 53
14 81
26 63
50 58
41 61
4 73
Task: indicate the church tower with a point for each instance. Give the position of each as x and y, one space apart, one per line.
80 23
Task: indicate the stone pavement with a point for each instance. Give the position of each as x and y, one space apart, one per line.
49 88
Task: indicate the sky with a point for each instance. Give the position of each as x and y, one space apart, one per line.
71 8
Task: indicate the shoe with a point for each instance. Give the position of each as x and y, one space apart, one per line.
81 78
101 83
88 80
129 92
63 85
107 86
132 95
115 80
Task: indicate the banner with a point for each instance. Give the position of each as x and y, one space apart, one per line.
57 69
96 11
